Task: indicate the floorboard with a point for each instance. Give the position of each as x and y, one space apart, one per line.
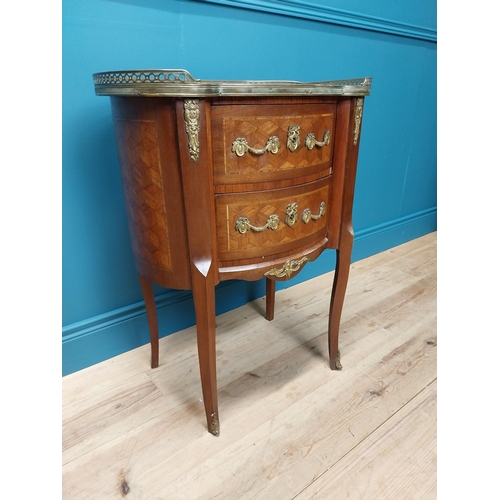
290 427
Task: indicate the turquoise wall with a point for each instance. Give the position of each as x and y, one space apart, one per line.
395 200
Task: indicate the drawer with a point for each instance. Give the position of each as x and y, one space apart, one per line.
266 143
263 224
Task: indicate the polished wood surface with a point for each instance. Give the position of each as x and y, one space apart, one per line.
290 427
150 168
185 209
346 160
257 207
256 123
149 301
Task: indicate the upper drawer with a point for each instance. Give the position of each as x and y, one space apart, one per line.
266 143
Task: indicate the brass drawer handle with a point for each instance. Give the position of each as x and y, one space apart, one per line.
240 146
307 214
243 224
311 140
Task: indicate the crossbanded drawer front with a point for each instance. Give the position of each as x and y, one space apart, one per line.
267 223
255 144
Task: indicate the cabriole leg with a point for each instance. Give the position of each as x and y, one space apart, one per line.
204 302
338 293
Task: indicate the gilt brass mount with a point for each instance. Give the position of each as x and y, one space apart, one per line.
192 126
357 118
289 267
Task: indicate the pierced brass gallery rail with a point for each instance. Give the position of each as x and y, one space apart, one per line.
289 267
240 146
311 140
307 214
179 82
243 224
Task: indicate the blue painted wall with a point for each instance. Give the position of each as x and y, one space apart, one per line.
395 200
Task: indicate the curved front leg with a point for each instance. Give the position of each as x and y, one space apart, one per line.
338 293
204 303
198 191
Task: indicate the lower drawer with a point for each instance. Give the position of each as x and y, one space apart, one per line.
266 223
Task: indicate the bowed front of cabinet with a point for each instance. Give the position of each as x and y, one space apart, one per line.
234 180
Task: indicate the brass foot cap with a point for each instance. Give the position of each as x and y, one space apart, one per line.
335 363
214 427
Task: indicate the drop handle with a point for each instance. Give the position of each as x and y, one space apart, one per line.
243 224
311 140
307 214
240 146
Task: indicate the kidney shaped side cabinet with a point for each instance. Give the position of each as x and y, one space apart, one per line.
234 180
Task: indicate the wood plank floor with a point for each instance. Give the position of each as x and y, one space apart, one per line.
290 427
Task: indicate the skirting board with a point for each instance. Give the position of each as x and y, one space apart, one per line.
97 339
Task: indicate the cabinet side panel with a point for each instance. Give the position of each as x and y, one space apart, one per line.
142 185
150 181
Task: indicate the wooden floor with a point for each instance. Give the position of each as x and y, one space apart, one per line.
290 427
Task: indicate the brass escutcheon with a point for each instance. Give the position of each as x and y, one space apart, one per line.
293 137
291 216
